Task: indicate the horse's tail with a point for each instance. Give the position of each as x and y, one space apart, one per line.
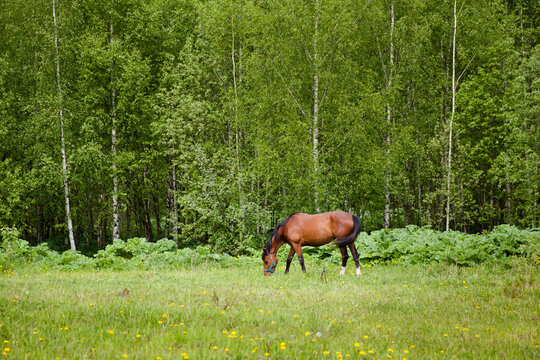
352 236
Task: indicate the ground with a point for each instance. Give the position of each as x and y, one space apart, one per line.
208 312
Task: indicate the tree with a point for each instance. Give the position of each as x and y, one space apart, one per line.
62 136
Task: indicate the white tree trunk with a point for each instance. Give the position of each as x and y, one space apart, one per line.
116 215
449 167
236 124
174 222
61 113
389 120
315 129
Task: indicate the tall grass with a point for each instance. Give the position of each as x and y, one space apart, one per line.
203 311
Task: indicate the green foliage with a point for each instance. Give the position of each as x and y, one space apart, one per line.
136 253
410 245
212 104
424 245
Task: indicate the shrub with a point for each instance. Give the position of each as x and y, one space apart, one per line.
412 245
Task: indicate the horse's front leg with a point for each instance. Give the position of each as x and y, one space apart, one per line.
344 258
289 259
298 250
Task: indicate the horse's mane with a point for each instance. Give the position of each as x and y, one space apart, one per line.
275 233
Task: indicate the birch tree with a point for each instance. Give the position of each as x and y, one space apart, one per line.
116 215
62 135
389 73
315 129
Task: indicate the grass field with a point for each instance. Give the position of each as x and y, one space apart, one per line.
412 312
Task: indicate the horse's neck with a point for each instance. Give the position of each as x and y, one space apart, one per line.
276 244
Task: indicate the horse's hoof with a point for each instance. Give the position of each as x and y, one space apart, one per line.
358 272
342 272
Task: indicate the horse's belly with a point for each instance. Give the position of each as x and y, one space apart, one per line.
317 236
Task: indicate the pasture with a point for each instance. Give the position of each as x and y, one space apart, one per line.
393 311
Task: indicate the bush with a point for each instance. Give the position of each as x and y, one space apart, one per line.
412 245
424 245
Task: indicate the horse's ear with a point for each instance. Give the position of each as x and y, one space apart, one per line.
264 249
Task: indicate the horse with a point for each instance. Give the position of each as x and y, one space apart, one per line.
302 229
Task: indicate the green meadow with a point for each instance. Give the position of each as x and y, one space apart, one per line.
396 311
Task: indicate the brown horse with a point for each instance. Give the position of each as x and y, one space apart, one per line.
301 229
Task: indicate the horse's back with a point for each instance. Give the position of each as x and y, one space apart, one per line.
318 229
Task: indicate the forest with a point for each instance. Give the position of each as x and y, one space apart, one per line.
208 121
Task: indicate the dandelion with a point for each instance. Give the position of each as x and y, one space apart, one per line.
111 332
371 351
307 333
125 355
365 336
390 350
160 322
138 336
164 316
362 353
266 354
326 352
226 349
158 358
356 344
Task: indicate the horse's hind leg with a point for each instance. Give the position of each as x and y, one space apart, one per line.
289 259
298 249
344 258
354 253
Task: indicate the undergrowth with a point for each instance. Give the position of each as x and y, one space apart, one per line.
410 245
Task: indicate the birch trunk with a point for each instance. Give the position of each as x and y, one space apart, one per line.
237 130
389 119
449 167
63 142
174 220
116 216
315 129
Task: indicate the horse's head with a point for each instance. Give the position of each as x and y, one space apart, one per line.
269 262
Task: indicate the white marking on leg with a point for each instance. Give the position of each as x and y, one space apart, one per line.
342 272
358 272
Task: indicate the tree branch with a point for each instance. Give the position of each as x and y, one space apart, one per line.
290 91
465 69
